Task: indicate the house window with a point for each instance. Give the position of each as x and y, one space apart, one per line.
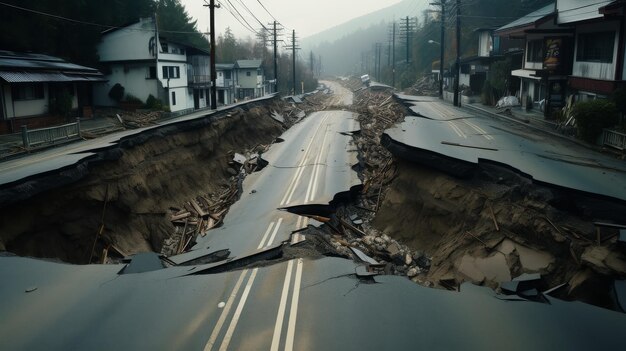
173 98
201 94
171 72
151 72
220 74
164 47
535 51
27 91
595 47
258 72
227 74
248 73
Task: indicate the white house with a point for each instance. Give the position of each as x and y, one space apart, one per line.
250 79
176 74
36 90
225 83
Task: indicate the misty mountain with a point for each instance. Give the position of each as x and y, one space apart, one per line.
340 47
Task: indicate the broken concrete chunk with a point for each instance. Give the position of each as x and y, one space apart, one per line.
239 158
231 171
533 260
603 260
393 248
412 272
408 259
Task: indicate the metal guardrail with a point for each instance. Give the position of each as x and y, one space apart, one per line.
50 135
614 139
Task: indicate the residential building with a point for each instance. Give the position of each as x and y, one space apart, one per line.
225 83
547 59
175 73
598 56
250 79
38 90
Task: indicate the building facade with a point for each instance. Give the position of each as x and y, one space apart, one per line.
250 79
38 90
146 63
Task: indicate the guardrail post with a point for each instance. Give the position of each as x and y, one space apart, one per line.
78 126
25 140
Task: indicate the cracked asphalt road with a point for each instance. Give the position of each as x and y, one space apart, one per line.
298 304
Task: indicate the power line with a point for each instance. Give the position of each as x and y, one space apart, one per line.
252 13
93 24
263 6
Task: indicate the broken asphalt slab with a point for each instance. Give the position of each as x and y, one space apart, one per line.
337 311
463 144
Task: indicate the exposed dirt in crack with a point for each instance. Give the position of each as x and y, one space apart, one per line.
124 200
442 231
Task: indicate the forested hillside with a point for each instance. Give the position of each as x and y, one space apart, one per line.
71 28
353 51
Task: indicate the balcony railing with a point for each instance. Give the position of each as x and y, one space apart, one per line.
614 139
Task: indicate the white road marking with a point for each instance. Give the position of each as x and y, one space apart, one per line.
233 323
280 220
291 328
220 322
281 308
267 232
296 179
479 130
456 129
315 173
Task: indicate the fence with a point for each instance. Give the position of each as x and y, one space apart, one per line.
50 135
614 139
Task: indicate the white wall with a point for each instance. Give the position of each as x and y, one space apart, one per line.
132 76
597 70
130 43
484 44
30 107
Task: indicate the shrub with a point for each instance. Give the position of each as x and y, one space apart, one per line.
154 103
592 116
133 99
117 92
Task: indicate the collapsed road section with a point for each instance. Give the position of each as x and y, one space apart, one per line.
116 191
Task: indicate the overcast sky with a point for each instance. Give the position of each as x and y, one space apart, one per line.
306 17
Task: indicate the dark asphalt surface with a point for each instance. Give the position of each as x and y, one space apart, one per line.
300 304
459 134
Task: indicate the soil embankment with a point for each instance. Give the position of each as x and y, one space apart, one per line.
125 198
487 229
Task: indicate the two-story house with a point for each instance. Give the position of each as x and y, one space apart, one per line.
145 63
547 58
225 83
250 79
38 90
598 67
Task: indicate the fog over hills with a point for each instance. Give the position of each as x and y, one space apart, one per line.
340 47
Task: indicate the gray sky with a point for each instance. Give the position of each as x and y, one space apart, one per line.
306 17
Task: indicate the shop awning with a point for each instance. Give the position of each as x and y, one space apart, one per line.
41 77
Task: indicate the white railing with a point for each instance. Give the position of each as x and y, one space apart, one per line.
614 139
50 135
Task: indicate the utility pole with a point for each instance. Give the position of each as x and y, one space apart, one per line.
211 5
379 46
312 62
457 66
275 33
293 47
393 56
407 27
442 3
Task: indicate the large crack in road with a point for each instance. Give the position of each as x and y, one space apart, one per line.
315 253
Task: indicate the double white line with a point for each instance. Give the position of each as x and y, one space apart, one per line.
479 130
296 178
293 310
242 300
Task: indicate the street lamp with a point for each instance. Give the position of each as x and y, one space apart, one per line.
440 68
